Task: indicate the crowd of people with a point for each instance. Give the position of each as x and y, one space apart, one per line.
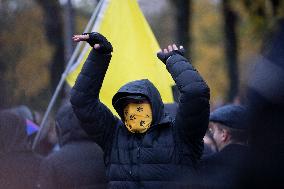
151 144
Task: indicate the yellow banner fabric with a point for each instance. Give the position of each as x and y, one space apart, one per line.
134 51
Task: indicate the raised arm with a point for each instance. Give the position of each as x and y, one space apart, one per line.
97 120
192 116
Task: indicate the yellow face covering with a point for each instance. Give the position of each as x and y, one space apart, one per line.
138 117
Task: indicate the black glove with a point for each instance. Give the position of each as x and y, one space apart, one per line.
97 38
164 56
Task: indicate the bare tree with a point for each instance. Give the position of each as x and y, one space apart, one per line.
69 28
183 23
231 48
7 57
54 32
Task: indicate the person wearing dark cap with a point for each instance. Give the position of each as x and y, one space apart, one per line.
144 148
228 127
19 166
78 163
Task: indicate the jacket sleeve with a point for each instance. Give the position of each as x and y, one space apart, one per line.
191 121
96 119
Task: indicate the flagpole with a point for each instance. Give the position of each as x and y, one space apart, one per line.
42 128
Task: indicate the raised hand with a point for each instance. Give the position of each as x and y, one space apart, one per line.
163 55
96 40
78 38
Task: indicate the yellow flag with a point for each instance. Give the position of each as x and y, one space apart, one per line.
134 51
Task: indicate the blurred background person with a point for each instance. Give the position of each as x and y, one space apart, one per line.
18 164
228 127
79 161
32 126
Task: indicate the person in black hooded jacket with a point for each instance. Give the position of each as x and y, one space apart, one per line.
18 164
78 163
144 148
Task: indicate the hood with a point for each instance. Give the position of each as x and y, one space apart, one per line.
142 88
22 111
13 136
68 126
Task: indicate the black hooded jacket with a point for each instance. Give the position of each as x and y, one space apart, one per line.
18 165
168 149
78 163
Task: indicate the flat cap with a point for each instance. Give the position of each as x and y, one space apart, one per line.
231 115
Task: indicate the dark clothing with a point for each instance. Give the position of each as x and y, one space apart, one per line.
207 151
223 169
171 109
18 165
168 149
78 163
19 170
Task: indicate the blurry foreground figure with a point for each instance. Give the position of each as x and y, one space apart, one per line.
265 96
78 163
18 165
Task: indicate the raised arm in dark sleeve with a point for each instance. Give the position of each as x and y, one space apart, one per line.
97 120
192 116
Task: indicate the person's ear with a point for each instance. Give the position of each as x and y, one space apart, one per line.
225 135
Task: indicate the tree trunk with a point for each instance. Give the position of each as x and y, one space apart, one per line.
4 101
5 97
54 32
69 28
231 48
183 23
